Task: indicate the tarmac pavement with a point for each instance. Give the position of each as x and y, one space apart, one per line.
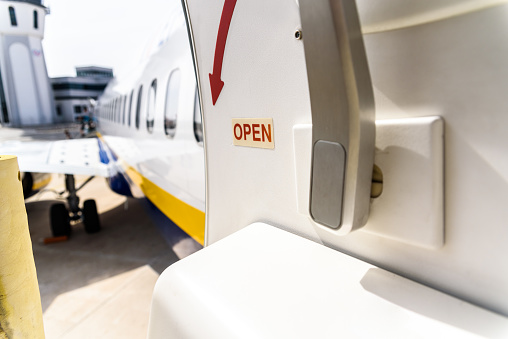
97 285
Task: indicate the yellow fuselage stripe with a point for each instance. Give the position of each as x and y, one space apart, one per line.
188 218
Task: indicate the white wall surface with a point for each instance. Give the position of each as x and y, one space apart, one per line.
26 92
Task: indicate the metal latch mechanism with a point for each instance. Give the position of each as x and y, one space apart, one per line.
343 117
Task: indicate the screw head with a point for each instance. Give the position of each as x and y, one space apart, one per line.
298 34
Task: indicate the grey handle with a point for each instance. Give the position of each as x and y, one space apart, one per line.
343 117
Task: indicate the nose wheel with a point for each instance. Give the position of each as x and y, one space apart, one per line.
61 218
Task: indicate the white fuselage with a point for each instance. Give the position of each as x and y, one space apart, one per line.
151 121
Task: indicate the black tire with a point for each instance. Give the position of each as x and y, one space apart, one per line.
27 184
60 221
90 217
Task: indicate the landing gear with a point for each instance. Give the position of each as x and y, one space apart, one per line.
60 221
90 217
61 217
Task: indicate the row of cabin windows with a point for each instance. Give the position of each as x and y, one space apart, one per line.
14 21
119 109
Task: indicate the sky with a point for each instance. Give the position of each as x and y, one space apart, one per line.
106 33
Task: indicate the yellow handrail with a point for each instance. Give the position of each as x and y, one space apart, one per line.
20 302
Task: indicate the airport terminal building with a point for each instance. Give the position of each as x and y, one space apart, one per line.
26 97
74 95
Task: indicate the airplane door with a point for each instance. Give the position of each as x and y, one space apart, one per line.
266 81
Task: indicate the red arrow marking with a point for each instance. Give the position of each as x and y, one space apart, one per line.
216 83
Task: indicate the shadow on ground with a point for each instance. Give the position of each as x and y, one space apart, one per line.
128 240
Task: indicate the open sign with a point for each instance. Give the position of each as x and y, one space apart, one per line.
253 132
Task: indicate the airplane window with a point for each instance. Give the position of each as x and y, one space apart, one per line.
12 14
198 125
124 107
119 110
151 106
130 108
171 109
36 20
113 111
138 105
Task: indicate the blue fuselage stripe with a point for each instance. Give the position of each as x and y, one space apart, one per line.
102 153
